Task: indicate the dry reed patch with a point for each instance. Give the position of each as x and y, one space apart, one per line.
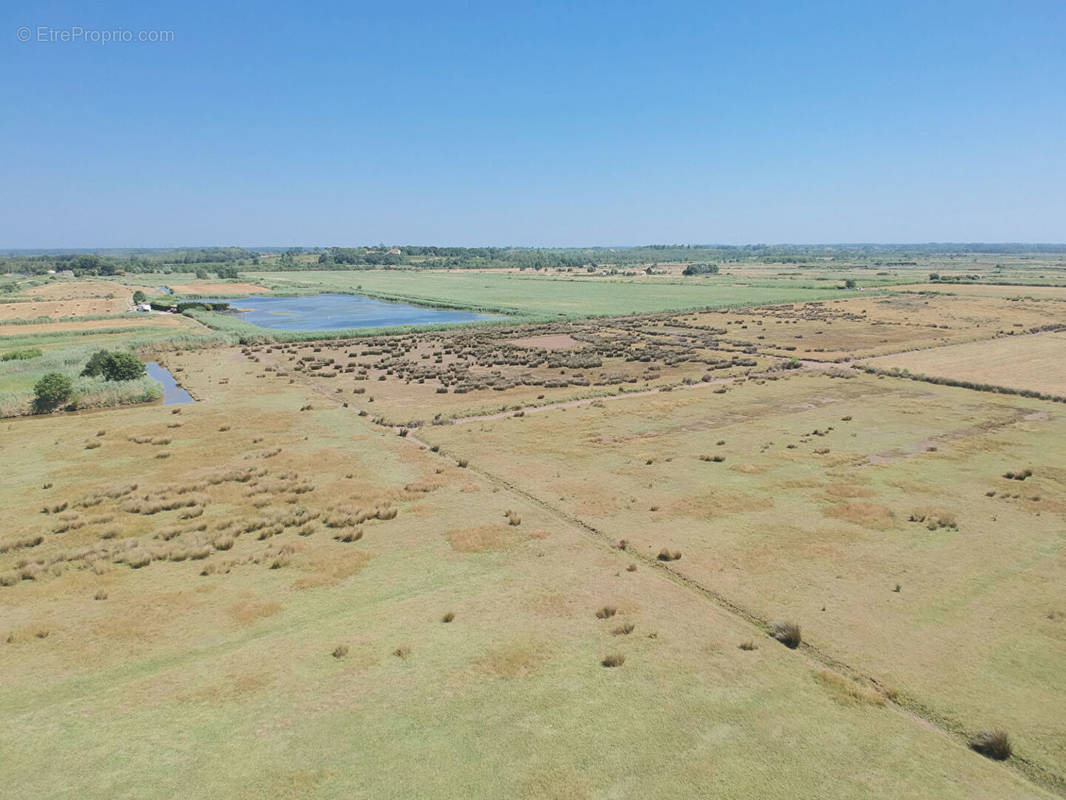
513 660
483 539
214 289
846 691
750 469
556 341
718 504
845 491
327 570
248 612
868 515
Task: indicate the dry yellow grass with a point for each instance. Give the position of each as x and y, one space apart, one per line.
1032 362
228 659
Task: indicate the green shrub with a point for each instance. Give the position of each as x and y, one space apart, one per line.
113 366
51 391
22 355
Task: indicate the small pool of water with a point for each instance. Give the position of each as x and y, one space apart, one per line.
172 393
324 312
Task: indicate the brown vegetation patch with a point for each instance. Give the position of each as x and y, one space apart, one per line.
323 570
247 612
841 491
215 289
557 341
514 660
846 691
718 504
750 469
482 539
868 515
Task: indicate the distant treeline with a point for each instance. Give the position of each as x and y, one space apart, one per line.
226 261
117 262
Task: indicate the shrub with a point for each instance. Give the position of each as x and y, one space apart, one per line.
624 630
669 555
992 744
613 660
51 391
788 633
138 558
748 645
22 355
631 568
402 652
113 366
340 651
606 612
123 367
448 617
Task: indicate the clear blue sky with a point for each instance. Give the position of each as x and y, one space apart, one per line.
276 123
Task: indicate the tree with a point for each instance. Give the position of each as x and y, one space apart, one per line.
849 283
95 365
123 367
201 274
114 366
51 391
700 269
139 297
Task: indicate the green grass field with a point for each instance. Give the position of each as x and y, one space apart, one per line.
541 297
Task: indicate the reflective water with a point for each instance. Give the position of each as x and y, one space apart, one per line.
172 393
338 311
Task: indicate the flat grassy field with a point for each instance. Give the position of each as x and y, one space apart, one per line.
237 645
544 559
874 512
539 297
1020 362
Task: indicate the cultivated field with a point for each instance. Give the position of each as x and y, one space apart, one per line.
545 558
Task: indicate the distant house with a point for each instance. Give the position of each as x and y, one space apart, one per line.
393 251
67 273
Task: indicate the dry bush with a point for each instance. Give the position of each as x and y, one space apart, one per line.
448 617
340 651
992 744
669 555
631 568
513 518
402 652
100 595
613 660
606 612
223 543
748 645
624 630
788 633
350 535
138 558
386 513
845 690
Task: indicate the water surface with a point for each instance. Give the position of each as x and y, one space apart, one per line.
325 312
172 393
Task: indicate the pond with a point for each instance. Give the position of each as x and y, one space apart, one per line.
172 393
325 312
